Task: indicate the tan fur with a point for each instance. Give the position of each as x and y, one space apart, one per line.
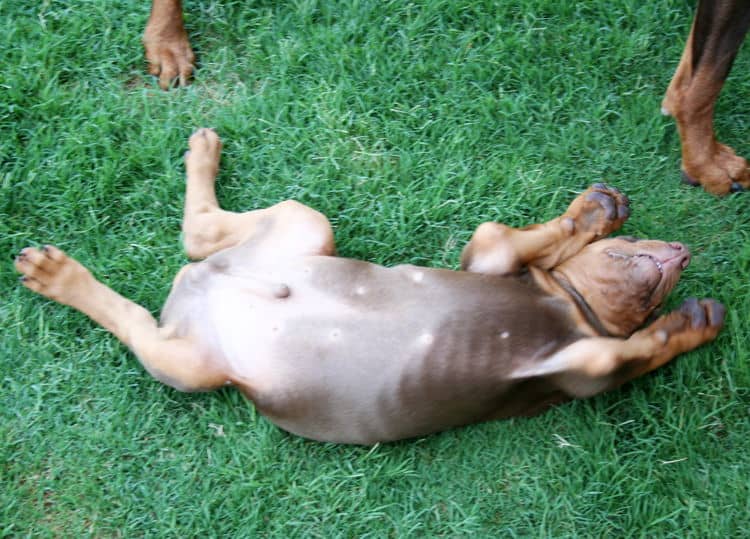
168 50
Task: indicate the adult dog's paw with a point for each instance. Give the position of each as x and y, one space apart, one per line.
720 171
169 54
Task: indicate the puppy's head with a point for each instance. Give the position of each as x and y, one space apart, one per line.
624 279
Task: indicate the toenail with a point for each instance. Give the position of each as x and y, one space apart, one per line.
605 202
717 313
687 179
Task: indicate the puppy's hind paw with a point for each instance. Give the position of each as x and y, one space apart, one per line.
50 272
205 151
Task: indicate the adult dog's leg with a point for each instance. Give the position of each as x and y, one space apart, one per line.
593 365
167 46
289 226
176 361
718 30
499 249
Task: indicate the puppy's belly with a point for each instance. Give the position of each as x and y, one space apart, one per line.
339 367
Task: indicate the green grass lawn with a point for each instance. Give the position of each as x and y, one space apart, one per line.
408 124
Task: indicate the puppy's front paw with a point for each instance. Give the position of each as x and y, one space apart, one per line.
51 273
598 211
694 323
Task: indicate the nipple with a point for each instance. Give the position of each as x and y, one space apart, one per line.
281 291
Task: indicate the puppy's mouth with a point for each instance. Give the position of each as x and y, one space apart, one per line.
678 258
655 261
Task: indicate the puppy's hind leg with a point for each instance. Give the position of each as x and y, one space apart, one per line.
175 361
288 227
498 249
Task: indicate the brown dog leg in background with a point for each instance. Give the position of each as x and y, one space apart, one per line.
167 46
718 30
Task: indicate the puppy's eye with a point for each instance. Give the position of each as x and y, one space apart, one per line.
631 239
614 254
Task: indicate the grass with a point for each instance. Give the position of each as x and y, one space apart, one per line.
408 123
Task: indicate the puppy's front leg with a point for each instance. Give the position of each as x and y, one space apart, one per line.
693 324
175 361
498 249
593 365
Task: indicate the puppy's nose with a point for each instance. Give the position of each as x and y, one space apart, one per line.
685 261
683 251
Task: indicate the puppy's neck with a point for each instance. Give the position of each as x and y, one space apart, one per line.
557 285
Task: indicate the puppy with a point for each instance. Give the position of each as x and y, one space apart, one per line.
343 350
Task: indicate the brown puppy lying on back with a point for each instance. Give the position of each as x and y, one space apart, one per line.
343 350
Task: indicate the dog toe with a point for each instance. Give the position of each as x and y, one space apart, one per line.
38 263
688 180
50 272
623 210
695 312
202 138
605 202
31 283
716 312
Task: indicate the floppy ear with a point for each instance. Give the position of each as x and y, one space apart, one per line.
617 283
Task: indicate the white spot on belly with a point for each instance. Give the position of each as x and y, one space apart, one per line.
504 335
426 339
360 290
417 276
